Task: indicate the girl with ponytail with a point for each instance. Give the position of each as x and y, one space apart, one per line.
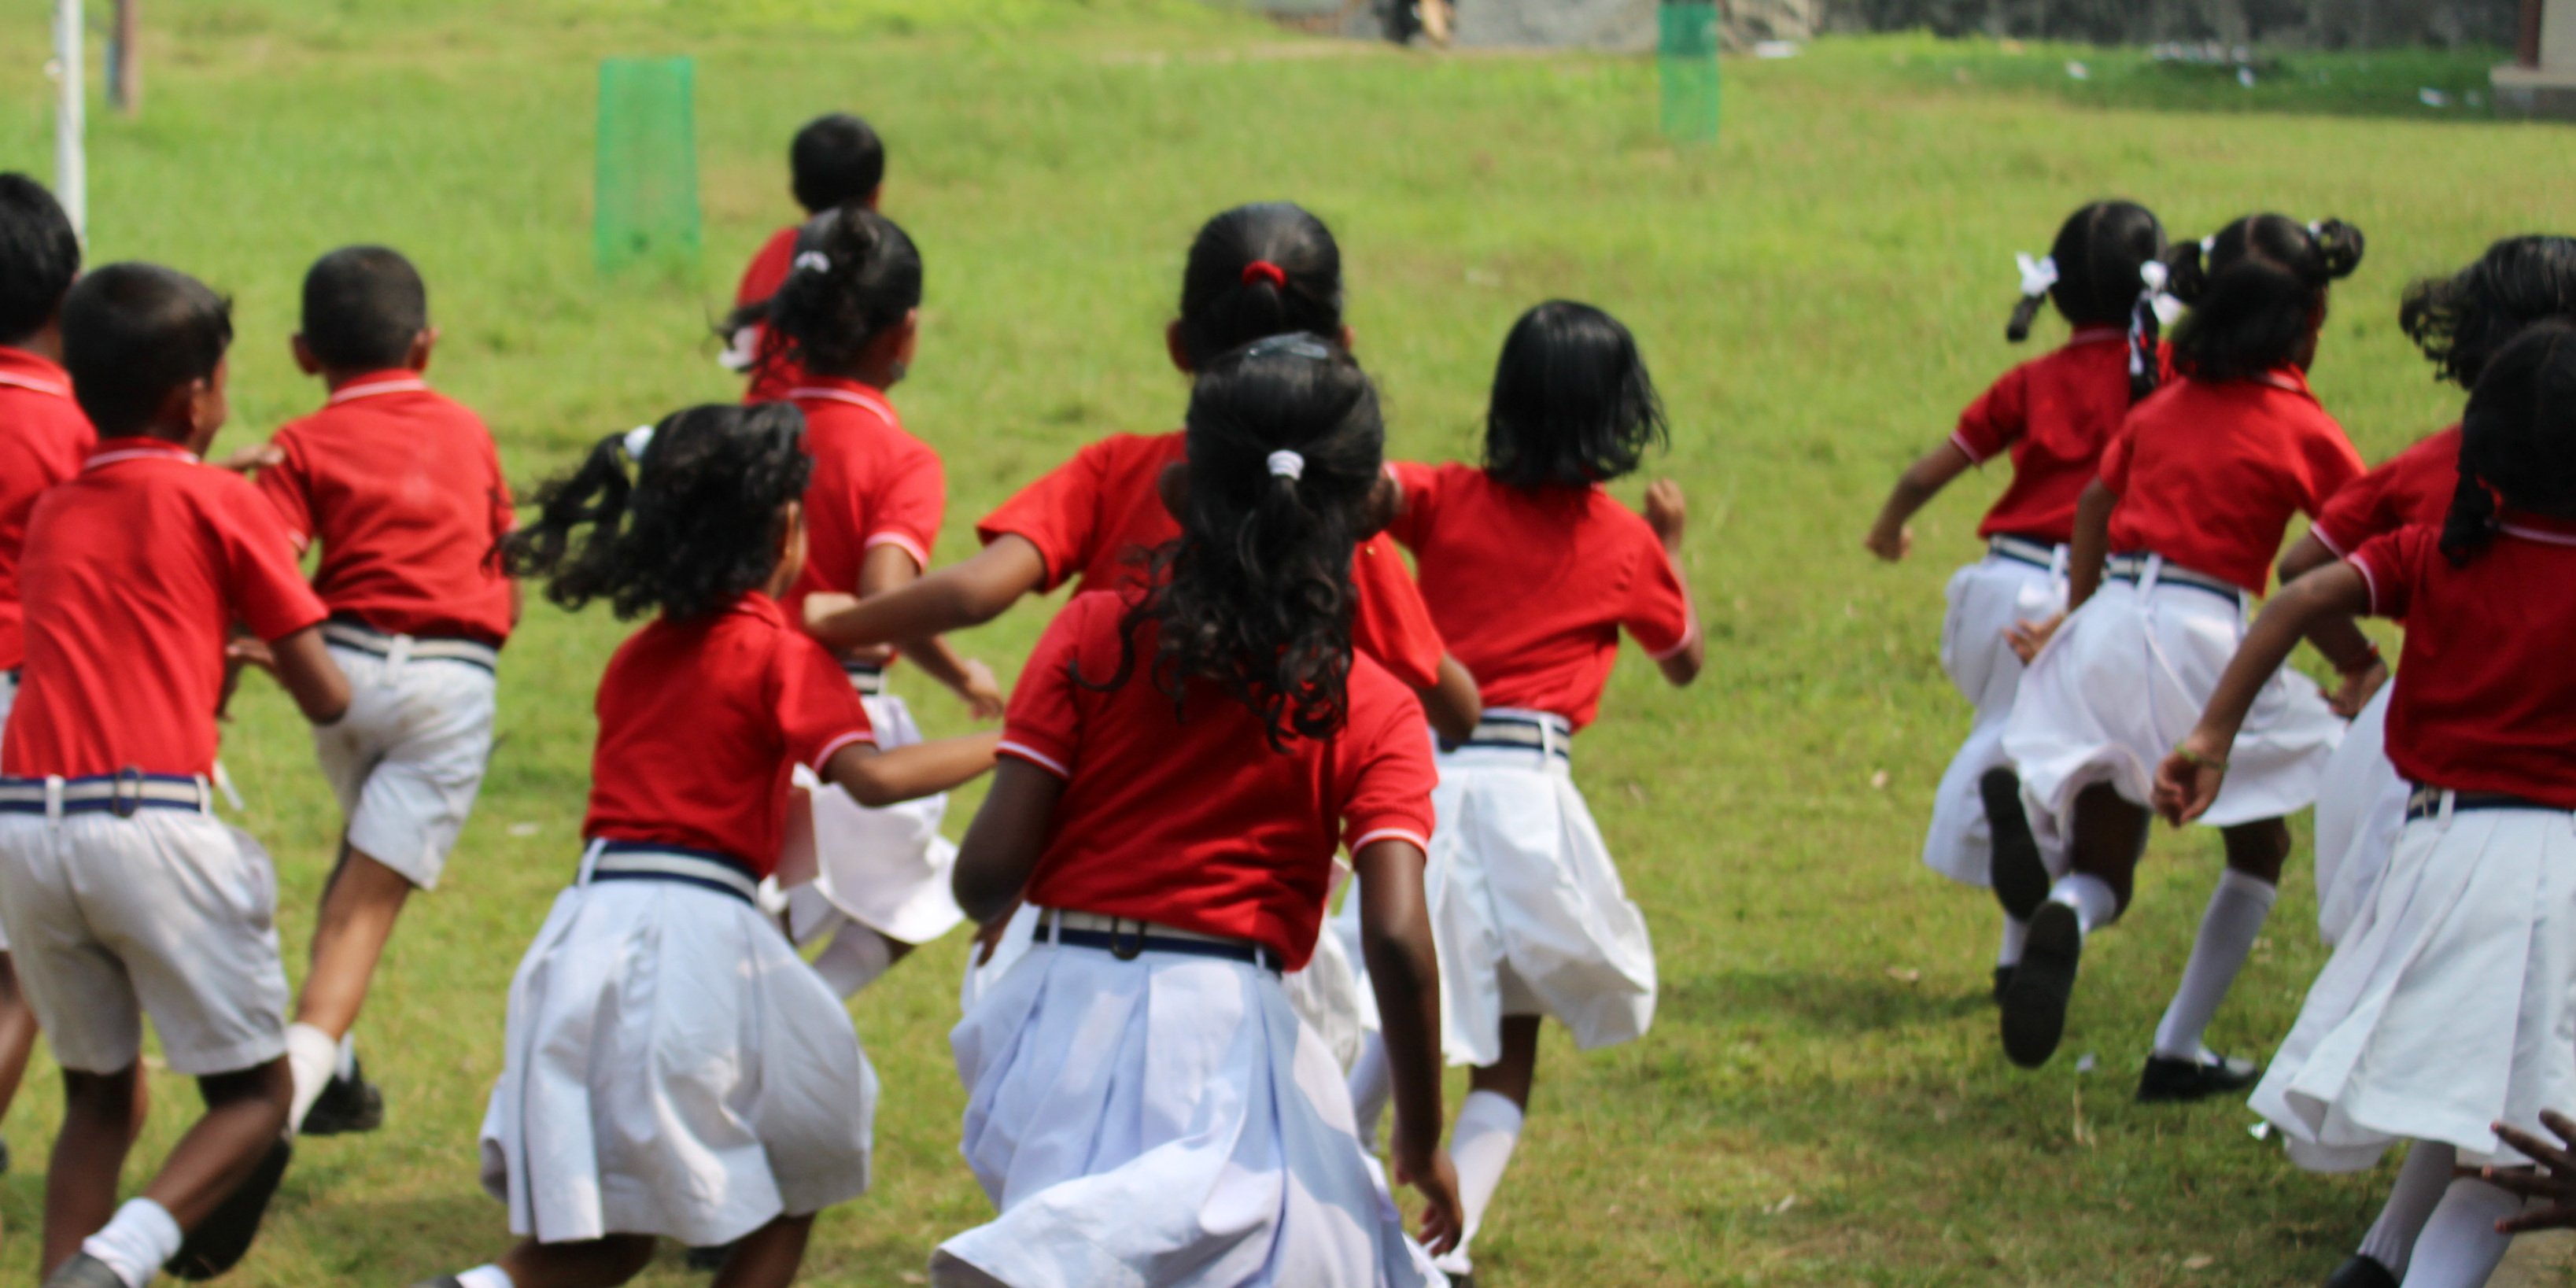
1181 759
761 1105
2050 418
2171 542
2445 1009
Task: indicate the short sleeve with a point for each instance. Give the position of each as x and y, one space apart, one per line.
2119 456
1417 483
1390 622
1059 513
817 710
908 506
288 486
1387 769
263 587
2327 462
1996 420
1657 613
1043 726
2391 563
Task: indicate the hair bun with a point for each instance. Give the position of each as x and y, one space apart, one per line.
2186 272
2339 246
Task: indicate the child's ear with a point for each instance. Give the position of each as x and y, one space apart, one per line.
1180 352
304 359
1173 485
870 200
1350 339
421 344
1385 502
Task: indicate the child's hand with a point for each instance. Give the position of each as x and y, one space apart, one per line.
2028 638
1665 512
1428 1170
245 650
2188 780
988 936
2553 1178
983 694
252 459
1890 544
824 605
2357 689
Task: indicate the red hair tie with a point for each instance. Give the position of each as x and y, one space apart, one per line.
1262 270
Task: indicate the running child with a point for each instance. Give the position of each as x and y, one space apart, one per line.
848 316
401 488
1179 764
2054 415
673 1067
2177 536
43 440
835 160
123 895
1534 570
2446 1008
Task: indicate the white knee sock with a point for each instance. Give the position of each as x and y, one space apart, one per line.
136 1241
2460 1246
312 1056
858 957
2237 909
1480 1146
2420 1184
2016 933
1371 1083
2095 903
485 1276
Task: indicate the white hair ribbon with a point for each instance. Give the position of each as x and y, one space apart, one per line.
2316 229
815 260
2209 244
2154 276
2037 275
1288 465
637 439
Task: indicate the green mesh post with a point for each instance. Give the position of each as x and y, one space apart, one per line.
1686 62
648 164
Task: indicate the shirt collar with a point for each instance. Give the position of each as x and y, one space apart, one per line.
396 380
135 447
2289 378
20 369
859 393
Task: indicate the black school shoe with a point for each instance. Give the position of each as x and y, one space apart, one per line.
2359 1271
2036 995
221 1240
83 1271
2178 1080
2003 980
346 1105
2020 877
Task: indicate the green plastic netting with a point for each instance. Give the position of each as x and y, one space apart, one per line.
648 165
1686 62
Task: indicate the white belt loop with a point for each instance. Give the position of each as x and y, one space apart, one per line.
589 860
205 796
1546 741
2149 569
2450 803
397 652
54 800
2058 557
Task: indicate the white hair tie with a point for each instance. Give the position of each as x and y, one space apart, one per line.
2209 244
2315 229
813 260
2154 276
2037 275
1288 465
637 439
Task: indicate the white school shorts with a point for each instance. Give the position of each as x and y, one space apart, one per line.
169 913
1986 599
409 756
2360 809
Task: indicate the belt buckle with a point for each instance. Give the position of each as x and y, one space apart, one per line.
117 802
1126 950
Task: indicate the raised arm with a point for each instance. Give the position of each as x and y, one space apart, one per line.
887 570
1669 517
2088 552
1890 538
880 778
964 594
1003 843
1395 941
2189 778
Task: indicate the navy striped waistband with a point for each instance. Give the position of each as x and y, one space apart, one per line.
651 861
341 632
866 677
1538 731
121 793
2133 568
2426 802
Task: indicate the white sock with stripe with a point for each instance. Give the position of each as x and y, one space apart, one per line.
2460 1247
136 1241
2420 1184
1480 1147
2237 910
311 1057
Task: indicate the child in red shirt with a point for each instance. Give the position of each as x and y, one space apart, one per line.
2194 497
1179 765
2054 415
835 160
401 488
2445 1009
43 440
673 1067
123 895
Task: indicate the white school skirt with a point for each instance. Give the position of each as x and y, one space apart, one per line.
2360 808
674 1069
1986 599
2449 1005
2126 678
886 869
1165 1120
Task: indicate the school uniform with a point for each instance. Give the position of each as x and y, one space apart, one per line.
2052 416
755 350
2362 803
43 440
2208 475
123 895
402 489
2448 1002
673 1067
1143 1105
1533 590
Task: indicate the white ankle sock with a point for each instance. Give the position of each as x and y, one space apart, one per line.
2420 1184
347 1065
1371 1084
2237 909
136 1241
2016 933
857 958
485 1276
2460 1247
1480 1146
311 1057
2096 905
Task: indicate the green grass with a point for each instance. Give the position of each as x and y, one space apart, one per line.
1819 293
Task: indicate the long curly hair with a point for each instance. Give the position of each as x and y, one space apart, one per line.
2518 440
2460 320
2254 289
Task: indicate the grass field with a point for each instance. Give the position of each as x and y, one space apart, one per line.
1822 1101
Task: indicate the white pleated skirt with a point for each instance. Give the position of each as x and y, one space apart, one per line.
886 869
2360 807
1986 599
2124 680
2450 1004
1168 1121
674 1069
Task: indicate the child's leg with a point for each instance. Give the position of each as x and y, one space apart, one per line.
2421 1183
80 1185
2237 910
769 1256
2107 836
359 906
1489 1126
2460 1246
245 1115
17 1034
593 1263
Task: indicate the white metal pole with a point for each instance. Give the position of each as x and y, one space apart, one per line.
71 164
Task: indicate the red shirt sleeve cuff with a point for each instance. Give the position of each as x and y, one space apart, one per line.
1047 760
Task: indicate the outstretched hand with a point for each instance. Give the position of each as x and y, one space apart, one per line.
2028 638
1890 544
2188 780
1666 512
981 692
2551 1178
1431 1175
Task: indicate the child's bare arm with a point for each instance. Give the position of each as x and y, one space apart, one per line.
1454 705
877 779
2189 779
887 570
1404 972
2340 639
1889 538
1667 514
1003 843
305 667
968 593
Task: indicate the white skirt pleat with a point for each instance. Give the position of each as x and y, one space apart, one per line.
2360 808
1986 599
887 869
674 1069
1167 1121
2448 1004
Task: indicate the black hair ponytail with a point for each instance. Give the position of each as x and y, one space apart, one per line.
2517 441
1260 270
2461 320
696 528
2097 273
856 273
2254 287
1255 596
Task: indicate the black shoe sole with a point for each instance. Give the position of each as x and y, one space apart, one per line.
2020 876
345 1108
221 1240
2202 1087
2035 1000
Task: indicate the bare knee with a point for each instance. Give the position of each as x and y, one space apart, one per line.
107 1097
1512 1074
266 1088
2259 849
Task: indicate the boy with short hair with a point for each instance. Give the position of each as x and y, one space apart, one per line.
835 159
43 440
122 893
402 489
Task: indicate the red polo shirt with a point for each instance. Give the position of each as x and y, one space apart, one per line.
873 485
135 571
2485 700
2054 414
1190 819
2414 486
1097 516
402 488
2209 472
772 373
43 440
701 724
